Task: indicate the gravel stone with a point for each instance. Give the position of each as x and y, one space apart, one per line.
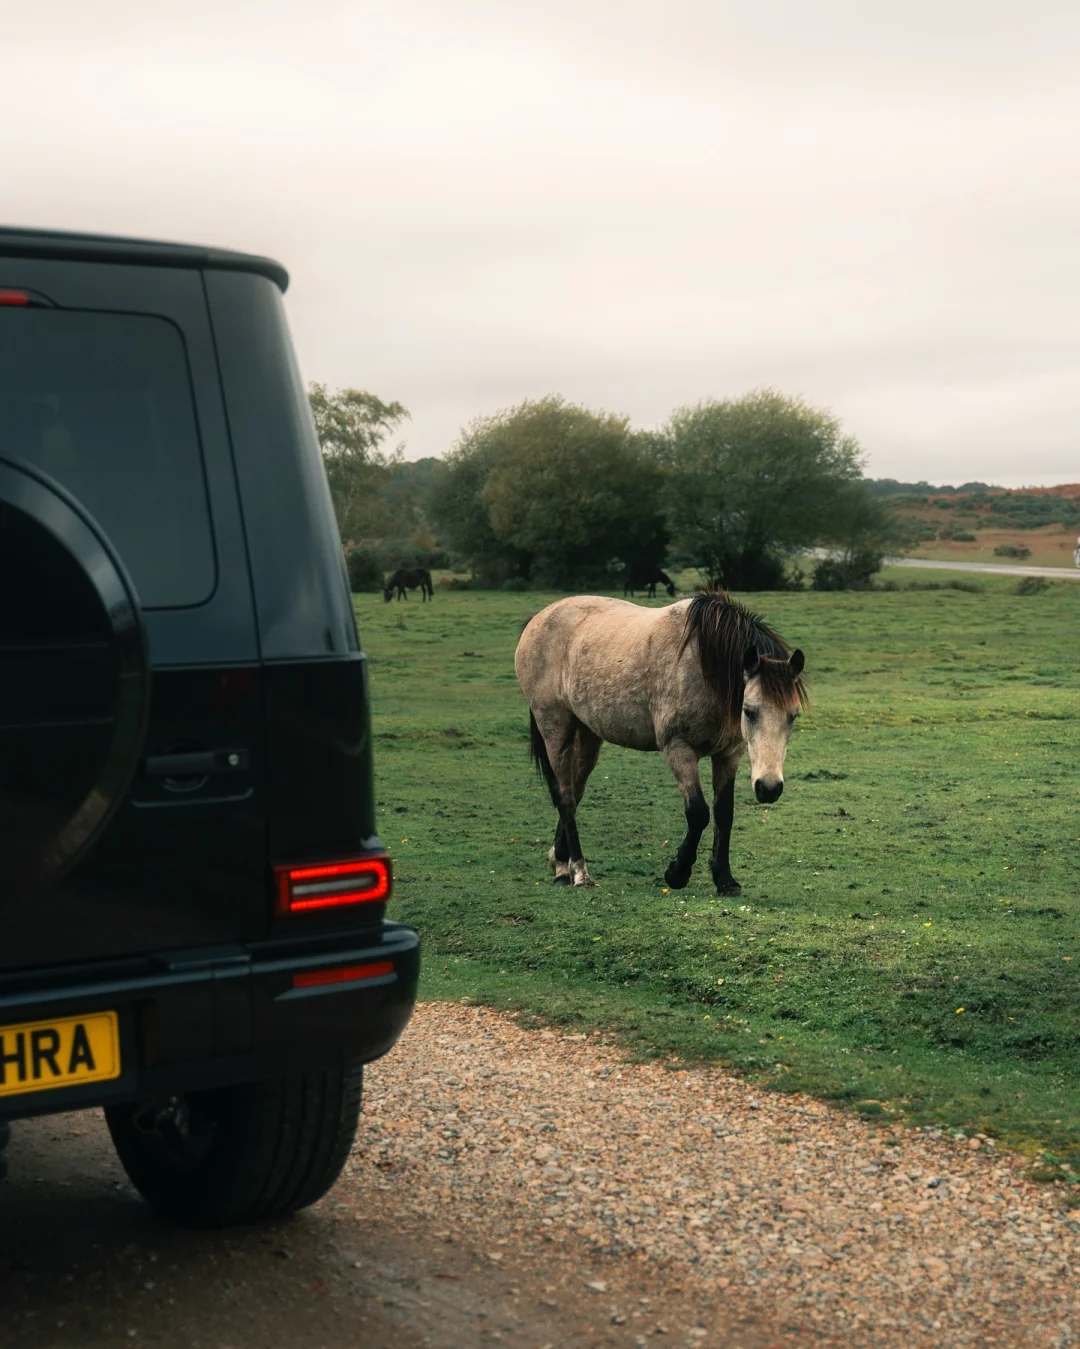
530 1138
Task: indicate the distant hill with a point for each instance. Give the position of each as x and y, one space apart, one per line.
1068 490
985 523
887 487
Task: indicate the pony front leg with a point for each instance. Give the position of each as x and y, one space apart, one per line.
683 762
724 768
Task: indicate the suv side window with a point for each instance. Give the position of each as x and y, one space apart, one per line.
102 403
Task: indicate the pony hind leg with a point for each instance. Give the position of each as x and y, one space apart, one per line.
555 741
548 734
683 762
587 748
559 856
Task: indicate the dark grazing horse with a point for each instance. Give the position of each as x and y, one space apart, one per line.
406 579
701 678
647 578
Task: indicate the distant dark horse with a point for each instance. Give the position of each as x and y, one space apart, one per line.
406 579
646 578
702 678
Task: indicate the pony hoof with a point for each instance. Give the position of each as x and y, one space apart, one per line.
731 887
564 879
676 880
583 879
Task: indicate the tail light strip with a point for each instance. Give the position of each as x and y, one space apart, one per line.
365 880
24 299
343 974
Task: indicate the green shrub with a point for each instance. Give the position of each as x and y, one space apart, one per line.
969 587
365 569
1011 550
394 553
681 561
435 559
853 571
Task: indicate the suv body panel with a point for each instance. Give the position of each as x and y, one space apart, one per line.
175 867
168 919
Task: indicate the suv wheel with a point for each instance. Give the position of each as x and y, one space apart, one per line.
240 1154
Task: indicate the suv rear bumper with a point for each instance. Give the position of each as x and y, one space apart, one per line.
190 1020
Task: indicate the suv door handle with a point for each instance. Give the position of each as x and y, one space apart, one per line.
200 764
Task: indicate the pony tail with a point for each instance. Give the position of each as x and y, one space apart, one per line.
539 755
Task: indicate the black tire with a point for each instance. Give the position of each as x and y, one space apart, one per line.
249 1154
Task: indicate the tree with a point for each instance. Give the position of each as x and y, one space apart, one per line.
753 480
352 426
460 515
403 501
553 492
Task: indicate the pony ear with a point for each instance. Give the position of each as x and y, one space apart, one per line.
751 662
796 660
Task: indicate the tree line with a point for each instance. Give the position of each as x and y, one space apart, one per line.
552 494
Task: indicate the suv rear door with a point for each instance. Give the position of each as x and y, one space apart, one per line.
110 398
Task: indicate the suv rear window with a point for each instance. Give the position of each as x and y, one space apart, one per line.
102 403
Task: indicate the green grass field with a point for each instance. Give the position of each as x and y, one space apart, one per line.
908 938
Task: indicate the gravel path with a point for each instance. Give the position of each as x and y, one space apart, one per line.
791 1213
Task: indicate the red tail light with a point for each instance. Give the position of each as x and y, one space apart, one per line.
19 297
303 889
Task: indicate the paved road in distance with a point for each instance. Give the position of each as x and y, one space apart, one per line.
994 568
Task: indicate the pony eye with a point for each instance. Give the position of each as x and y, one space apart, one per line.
750 713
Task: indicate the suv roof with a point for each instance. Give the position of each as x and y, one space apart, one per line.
60 244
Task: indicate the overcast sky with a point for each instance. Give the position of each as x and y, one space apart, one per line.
635 204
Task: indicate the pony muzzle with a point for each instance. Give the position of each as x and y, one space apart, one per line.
767 790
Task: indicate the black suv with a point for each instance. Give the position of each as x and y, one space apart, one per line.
192 891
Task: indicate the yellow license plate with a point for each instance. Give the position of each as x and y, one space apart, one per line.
62 1053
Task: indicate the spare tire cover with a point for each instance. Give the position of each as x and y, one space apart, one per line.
74 682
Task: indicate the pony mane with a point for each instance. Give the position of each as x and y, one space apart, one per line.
725 631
